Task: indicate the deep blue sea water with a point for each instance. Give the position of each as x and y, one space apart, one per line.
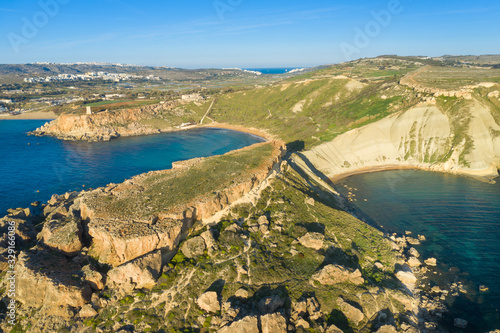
268 71
33 168
460 218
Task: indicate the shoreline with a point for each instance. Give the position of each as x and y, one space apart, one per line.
437 286
254 131
391 167
37 115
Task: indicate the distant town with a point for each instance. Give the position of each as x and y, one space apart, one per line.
115 77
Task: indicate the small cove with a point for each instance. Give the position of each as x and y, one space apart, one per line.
34 168
459 216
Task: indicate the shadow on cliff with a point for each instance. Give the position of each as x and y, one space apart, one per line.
314 190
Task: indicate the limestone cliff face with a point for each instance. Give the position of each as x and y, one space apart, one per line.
422 137
103 125
117 239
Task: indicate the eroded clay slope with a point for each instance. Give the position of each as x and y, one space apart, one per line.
426 137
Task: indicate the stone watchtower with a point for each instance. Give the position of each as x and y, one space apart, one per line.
89 110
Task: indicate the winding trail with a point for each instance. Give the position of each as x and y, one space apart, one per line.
208 111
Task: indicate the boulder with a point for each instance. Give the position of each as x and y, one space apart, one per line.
50 281
273 323
333 329
209 302
263 220
20 213
406 278
241 293
193 247
460 323
387 329
210 241
483 288
414 262
87 311
333 274
249 324
413 241
414 252
62 235
355 315
263 223
136 274
302 324
309 308
312 240
270 304
93 278
117 242
431 262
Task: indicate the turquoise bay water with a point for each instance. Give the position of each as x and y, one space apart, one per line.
460 218
270 71
34 168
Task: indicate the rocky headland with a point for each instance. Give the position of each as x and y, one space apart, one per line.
106 125
148 255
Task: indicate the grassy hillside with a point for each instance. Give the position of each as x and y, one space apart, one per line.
269 264
316 107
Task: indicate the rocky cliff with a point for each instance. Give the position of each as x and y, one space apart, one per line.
57 275
101 260
107 125
461 137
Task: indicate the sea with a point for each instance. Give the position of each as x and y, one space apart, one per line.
272 71
460 218
33 168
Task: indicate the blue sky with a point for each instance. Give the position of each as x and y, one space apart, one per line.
242 33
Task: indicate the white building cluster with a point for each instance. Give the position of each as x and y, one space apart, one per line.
116 77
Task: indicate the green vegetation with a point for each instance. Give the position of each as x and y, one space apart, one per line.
315 107
458 111
455 78
265 264
167 190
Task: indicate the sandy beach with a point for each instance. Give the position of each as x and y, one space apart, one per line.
32 115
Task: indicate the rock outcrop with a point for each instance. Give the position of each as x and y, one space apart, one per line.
193 247
106 125
62 235
81 237
209 302
333 274
312 240
117 242
248 324
273 323
136 274
352 313
121 236
50 280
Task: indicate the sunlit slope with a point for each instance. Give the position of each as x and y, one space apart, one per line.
318 106
452 134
